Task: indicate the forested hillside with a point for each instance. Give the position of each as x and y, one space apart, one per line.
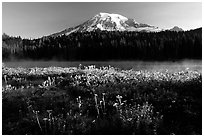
104 45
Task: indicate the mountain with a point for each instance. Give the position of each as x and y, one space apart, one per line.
176 28
110 22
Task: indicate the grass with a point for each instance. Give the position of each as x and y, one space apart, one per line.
106 100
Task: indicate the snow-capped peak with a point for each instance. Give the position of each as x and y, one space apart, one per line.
110 22
107 21
113 16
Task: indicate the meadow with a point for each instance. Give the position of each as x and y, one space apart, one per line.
100 100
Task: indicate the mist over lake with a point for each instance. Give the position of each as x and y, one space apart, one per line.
171 66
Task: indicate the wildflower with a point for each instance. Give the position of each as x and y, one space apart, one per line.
125 101
36 114
5 78
100 103
80 66
129 119
115 104
95 98
104 100
79 102
94 121
49 113
119 98
45 119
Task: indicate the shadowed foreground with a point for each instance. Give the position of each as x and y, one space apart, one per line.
106 100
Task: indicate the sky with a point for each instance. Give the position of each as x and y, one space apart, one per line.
34 20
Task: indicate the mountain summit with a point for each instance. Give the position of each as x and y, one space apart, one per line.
110 22
176 28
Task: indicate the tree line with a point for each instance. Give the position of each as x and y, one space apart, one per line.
106 45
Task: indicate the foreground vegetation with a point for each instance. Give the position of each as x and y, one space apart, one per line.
106 100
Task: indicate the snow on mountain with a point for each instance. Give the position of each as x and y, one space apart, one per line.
73 30
110 22
115 20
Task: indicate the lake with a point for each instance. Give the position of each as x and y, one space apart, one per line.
135 65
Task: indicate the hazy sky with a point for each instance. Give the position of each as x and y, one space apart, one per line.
33 20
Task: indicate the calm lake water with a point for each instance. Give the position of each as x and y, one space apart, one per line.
135 65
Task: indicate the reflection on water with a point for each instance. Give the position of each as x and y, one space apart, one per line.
135 65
